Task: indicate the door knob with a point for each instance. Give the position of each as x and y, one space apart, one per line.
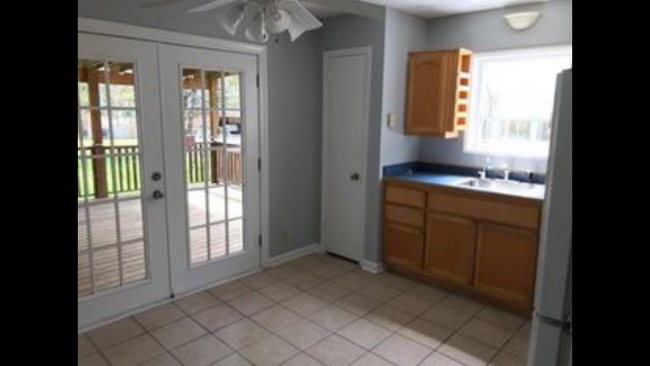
355 176
158 195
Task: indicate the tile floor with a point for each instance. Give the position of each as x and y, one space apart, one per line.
316 310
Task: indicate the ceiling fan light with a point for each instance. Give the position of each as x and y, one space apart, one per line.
256 30
277 20
231 18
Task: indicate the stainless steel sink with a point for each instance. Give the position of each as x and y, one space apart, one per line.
503 186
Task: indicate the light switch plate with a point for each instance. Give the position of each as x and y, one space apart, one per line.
392 120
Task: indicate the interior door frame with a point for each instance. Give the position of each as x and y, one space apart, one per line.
159 36
367 52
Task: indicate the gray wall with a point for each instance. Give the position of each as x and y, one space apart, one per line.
487 31
294 113
347 31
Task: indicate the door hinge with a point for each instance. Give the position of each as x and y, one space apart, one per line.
260 241
257 80
259 164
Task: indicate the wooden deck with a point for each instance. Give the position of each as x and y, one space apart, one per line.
106 250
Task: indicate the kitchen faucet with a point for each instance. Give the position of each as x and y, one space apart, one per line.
482 174
506 172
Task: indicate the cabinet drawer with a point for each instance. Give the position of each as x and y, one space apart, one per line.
404 215
405 196
506 213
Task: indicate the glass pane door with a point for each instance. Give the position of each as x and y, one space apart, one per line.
212 148
122 247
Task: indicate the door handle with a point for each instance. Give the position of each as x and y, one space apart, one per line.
355 176
158 195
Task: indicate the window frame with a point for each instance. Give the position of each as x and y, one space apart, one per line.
469 142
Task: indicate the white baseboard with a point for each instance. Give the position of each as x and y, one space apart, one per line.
372 267
294 254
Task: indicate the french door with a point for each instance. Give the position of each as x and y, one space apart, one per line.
122 242
168 182
211 149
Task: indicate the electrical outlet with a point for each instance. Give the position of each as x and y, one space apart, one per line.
392 120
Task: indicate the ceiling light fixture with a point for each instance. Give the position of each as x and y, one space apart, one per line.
521 20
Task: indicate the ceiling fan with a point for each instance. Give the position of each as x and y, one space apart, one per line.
259 17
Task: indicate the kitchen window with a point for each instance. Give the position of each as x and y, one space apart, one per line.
512 101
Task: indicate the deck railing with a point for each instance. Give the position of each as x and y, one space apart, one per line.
100 163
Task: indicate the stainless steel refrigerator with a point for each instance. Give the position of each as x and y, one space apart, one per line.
551 342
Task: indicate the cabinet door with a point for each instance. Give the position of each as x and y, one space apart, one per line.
450 248
403 246
505 263
427 93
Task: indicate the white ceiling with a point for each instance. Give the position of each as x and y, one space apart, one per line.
438 8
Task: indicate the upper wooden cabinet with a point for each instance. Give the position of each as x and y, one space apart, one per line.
438 92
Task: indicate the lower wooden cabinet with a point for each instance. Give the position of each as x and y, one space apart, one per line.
403 246
450 248
506 261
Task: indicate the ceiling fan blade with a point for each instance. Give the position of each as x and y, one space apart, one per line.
157 3
360 8
301 19
211 5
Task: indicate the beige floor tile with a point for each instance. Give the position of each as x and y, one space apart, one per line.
351 280
275 318
335 350
174 334
302 359
364 333
198 302
134 351
251 303
504 359
329 291
303 334
402 351
428 293
501 318
485 332
259 280
426 333
84 346
163 360
410 304
114 333
390 318
202 351
230 290
464 304
446 316
284 271
332 317
328 271
437 359
217 317
93 359
305 304
371 359
358 304
159 316
467 351
233 360
280 291
397 282
241 333
305 281
269 351
380 292
520 343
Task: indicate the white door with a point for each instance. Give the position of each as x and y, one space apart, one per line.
122 243
211 135
346 100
